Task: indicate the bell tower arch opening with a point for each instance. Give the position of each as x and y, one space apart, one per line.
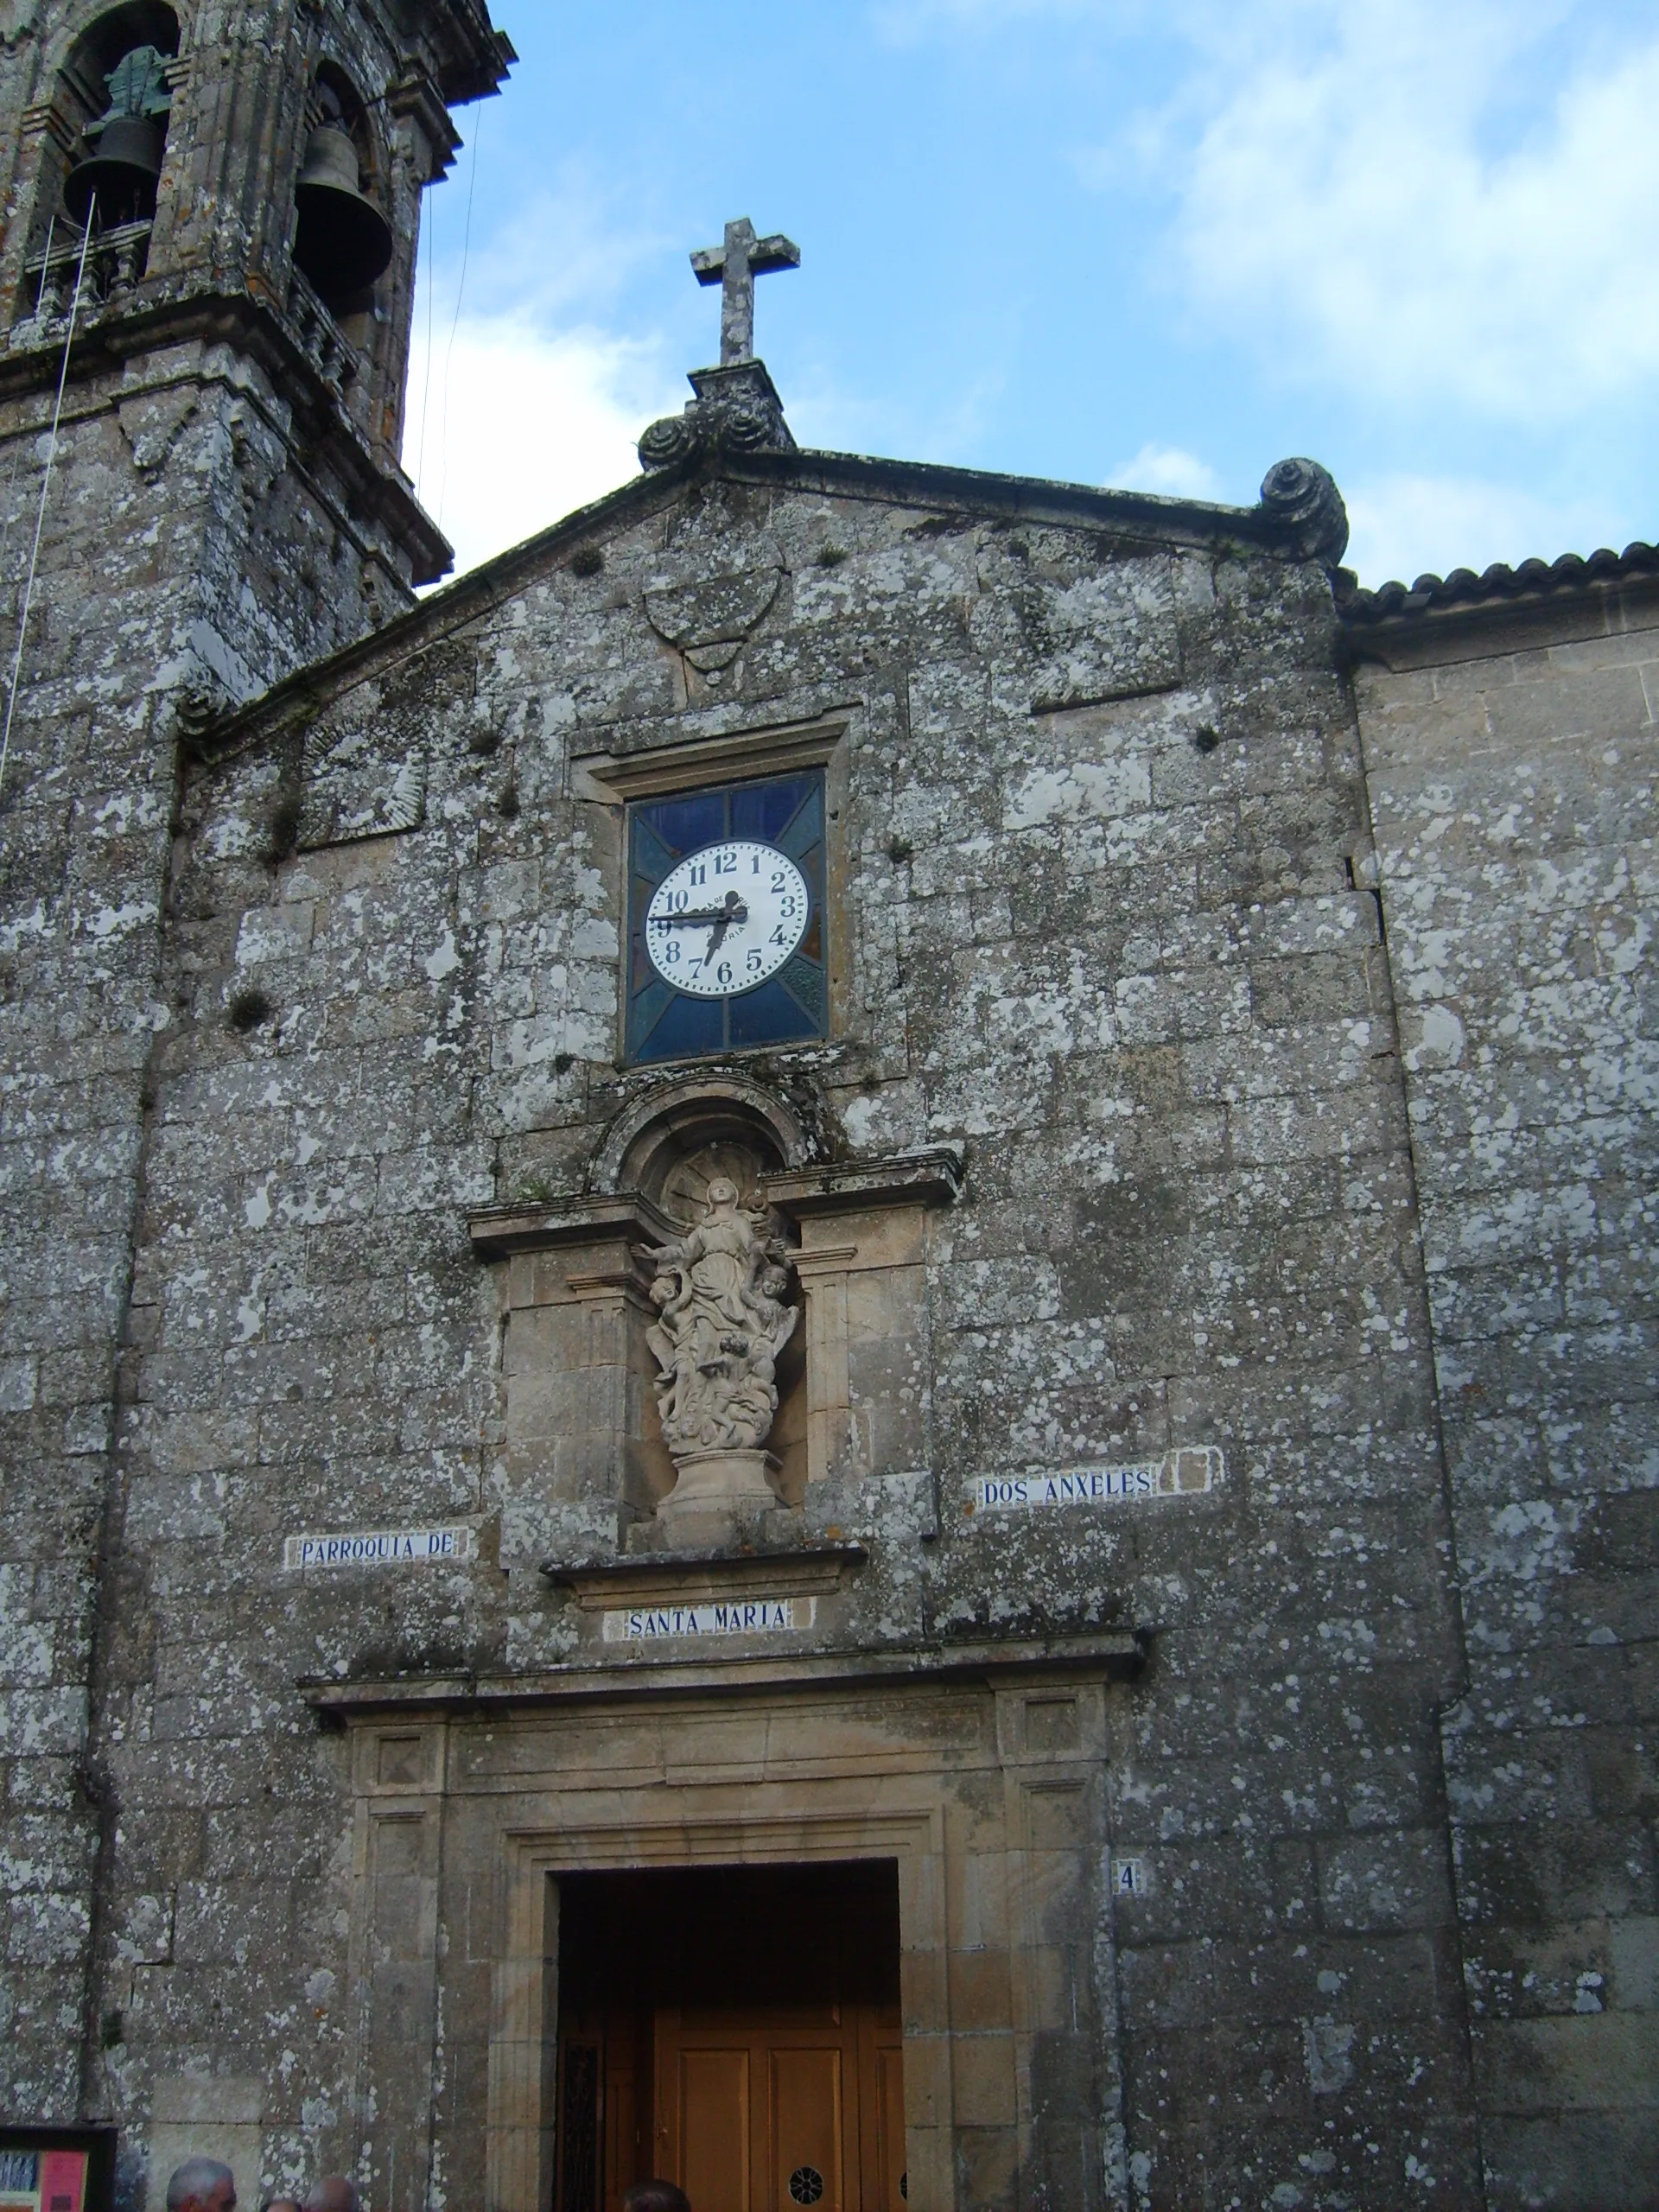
343 242
101 161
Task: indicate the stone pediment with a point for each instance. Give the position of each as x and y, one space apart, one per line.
1084 640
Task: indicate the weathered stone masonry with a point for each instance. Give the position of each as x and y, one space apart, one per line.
1110 951
1508 730
219 516
1238 1076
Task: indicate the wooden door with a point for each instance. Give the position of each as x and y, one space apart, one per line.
770 2111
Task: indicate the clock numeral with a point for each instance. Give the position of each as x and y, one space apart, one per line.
751 934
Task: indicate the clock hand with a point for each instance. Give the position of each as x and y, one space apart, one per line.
734 908
728 914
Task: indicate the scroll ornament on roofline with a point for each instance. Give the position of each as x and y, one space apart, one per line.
722 1324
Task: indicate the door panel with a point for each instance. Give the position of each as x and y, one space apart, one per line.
750 2102
713 2130
806 2130
889 2128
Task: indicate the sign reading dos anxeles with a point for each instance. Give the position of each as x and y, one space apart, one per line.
1187 1473
379 1547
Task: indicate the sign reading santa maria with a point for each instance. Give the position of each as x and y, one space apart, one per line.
715 1616
1189 1472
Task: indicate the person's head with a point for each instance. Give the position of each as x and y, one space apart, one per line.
201 2185
334 2193
281 2205
655 2196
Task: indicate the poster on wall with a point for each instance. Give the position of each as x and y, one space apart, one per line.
56 2168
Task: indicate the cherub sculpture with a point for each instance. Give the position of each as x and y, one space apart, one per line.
722 1324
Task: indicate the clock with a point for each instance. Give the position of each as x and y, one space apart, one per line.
725 925
727 918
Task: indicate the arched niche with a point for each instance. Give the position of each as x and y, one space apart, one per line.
646 1147
585 1461
669 1150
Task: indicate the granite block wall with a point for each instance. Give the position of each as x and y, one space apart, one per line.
216 518
181 566
1512 757
1113 947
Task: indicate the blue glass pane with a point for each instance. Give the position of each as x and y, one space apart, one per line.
652 857
768 1016
804 828
784 810
765 810
641 971
650 1000
804 980
684 823
688 1026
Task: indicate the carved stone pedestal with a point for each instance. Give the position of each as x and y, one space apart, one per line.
722 1483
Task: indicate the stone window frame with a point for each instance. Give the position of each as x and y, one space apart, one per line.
616 781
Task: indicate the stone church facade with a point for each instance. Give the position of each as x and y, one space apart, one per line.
1004 1558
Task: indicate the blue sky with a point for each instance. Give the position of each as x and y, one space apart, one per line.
1153 243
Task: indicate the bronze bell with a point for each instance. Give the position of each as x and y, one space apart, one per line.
121 176
344 241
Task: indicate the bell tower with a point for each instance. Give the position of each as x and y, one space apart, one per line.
209 215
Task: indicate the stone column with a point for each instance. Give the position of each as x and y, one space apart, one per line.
585 1455
864 1229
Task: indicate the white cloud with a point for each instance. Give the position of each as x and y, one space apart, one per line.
1404 526
1420 200
525 426
1167 469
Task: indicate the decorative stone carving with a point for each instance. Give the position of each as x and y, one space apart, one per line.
356 786
722 1322
1304 497
709 621
737 409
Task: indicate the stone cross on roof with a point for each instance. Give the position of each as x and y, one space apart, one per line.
735 267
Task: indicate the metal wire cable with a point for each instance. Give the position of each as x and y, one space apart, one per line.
46 487
429 227
460 294
18 443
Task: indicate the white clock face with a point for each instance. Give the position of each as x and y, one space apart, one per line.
726 918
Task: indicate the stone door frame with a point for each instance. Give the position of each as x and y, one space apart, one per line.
986 1781
525 1996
